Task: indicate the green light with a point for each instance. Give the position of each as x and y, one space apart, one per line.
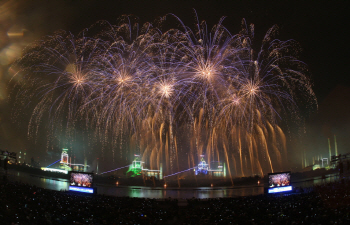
135 168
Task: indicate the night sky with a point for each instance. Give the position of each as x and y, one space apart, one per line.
321 28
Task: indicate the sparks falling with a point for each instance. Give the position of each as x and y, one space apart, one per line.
167 95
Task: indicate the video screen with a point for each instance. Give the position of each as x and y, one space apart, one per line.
279 179
81 179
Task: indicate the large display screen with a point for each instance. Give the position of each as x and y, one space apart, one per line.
279 182
81 179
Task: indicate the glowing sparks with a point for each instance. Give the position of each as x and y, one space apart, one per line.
251 89
78 79
123 79
235 100
206 74
143 88
166 89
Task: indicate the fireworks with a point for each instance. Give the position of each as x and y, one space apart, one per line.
171 96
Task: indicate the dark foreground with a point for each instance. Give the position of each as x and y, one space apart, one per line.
25 204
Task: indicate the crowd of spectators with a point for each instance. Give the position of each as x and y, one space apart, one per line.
26 204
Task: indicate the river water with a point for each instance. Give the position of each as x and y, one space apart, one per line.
168 192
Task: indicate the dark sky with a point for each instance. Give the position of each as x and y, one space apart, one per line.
321 28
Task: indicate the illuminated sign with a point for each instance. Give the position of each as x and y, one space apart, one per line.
280 189
54 170
81 189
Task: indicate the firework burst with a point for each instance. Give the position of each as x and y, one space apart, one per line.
169 95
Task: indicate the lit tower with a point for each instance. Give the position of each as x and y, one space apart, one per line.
305 163
64 156
335 143
330 150
136 167
302 161
64 163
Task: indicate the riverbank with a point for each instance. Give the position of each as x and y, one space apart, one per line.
188 180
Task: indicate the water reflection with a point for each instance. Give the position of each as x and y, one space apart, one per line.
146 192
308 182
40 181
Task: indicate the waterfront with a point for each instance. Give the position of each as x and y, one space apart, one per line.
59 184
